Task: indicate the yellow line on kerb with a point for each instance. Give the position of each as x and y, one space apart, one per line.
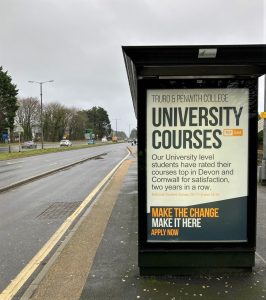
15 285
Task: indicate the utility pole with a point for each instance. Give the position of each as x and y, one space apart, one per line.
41 83
116 126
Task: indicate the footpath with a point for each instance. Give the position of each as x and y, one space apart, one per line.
98 260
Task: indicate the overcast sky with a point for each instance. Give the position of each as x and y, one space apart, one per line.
77 43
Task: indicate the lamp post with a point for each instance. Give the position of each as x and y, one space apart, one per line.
41 83
116 126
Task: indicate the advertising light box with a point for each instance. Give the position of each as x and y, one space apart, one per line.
197 164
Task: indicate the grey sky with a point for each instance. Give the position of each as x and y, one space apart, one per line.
77 43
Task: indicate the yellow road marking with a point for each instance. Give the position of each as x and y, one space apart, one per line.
15 285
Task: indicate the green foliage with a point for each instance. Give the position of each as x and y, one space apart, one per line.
134 133
121 135
98 120
77 125
60 121
8 101
55 121
27 153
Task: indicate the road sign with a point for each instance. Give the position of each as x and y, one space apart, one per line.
18 129
5 136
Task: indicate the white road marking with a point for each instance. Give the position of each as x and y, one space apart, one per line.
15 162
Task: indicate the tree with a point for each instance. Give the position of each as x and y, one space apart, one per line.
121 135
77 124
98 120
28 116
8 101
55 121
133 134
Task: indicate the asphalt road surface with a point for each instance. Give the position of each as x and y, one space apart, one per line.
31 213
18 169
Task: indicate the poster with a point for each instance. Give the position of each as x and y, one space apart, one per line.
197 165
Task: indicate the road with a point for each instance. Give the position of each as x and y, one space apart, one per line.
19 169
31 213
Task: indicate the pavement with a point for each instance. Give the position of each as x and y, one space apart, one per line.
98 260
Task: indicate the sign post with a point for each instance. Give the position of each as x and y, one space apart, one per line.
19 129
197 155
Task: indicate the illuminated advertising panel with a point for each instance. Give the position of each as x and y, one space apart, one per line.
197 164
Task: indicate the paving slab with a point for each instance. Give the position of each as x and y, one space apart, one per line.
114 274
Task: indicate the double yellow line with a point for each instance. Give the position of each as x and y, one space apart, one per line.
15 285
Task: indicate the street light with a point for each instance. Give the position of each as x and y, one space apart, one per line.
41 83
116 126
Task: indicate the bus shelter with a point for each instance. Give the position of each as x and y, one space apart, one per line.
197 114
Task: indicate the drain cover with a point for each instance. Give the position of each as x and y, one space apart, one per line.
59 210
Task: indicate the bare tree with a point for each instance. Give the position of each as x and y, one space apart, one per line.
60 121
28 115
55 121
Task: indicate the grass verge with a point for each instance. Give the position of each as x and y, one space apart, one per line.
27 153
